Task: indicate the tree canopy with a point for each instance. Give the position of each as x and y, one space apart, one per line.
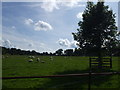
97 29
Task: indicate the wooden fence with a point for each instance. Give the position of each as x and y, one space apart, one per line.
94 62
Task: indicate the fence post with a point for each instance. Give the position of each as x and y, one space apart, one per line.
110 62
89 81
89 62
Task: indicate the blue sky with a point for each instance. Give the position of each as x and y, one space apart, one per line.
42 26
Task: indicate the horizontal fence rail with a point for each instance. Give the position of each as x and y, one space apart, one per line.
105 61
65 75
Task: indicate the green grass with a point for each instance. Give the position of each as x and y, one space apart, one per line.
19 66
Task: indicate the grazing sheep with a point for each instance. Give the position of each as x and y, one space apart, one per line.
42 61
30 60
29 57
51 58
38 59
32 57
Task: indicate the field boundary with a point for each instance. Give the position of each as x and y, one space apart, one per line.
65 75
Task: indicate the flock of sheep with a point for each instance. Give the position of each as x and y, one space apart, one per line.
38 59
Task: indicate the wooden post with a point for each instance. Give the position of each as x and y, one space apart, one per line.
89 78
110 62
89 62
89 81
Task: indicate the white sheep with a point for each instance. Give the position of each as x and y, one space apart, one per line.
33 57
29 57
42 61
51 58
30 60
38 59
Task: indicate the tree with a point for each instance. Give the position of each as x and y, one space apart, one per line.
59 52
78 52
97 29
68 52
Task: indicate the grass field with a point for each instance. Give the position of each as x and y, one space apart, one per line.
19 66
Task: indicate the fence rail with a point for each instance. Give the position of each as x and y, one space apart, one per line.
65 75
106 62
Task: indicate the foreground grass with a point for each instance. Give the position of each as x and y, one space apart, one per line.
19 66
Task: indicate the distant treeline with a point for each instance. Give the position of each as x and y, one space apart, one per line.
60 52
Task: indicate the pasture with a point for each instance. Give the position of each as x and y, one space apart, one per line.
13 66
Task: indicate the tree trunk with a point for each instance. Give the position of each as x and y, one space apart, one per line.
99 52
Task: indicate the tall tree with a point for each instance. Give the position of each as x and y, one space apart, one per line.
59 52
97 29
68 52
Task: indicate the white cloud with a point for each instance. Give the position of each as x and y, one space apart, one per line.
7 43
41 25
29 21
72 3
67 43
50 5
79 15
63 42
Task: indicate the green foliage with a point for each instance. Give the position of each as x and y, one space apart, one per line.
97 29
59 52
68 52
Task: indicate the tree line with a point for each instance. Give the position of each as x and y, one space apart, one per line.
59 52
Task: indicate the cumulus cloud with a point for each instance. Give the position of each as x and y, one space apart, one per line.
63 42
79 15
55 4
72 3
49 5
29 21
67 43
40 25
7 44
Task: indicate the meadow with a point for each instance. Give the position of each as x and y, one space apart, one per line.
16 65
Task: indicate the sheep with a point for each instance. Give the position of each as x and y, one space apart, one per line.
42 61
29 57
38 59
30 60
32 57
51 58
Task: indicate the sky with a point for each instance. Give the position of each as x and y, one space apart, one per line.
43 26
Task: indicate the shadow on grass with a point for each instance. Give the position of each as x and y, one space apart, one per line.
76 82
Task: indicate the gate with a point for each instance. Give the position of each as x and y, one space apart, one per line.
106 62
